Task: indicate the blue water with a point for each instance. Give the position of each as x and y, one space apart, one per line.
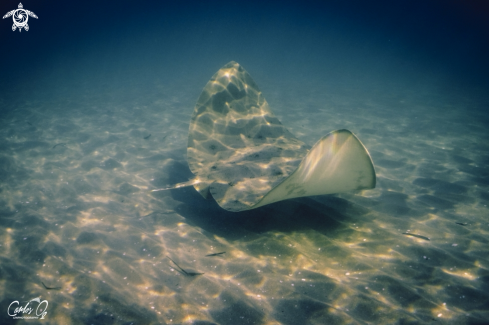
82 89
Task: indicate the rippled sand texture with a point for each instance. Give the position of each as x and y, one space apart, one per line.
74 215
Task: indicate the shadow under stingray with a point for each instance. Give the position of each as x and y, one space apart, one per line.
287 216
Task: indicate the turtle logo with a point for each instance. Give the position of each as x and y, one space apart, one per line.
20 17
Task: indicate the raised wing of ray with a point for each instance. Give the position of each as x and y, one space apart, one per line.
244 157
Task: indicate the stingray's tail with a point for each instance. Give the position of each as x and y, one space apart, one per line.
184 184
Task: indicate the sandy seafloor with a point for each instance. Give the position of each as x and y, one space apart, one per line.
74 214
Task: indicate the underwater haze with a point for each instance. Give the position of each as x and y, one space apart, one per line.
95 105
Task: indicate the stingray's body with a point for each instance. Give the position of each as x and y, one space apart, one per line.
245 158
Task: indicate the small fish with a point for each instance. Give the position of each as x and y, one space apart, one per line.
417 236
29 123
50 288
216 254
461 223
183 271
147 137
59 144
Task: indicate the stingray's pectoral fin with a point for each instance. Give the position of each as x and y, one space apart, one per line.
337 163
203 189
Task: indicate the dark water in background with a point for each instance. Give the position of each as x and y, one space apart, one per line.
408 77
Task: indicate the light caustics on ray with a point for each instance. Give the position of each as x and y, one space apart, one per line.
245 158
